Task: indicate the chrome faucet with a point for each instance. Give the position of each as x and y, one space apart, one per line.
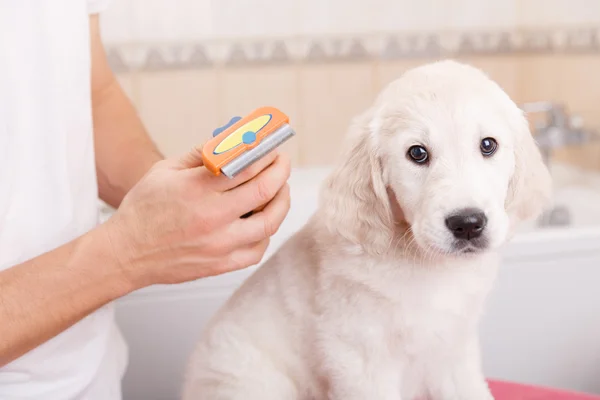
558 130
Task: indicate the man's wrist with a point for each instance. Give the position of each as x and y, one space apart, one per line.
107 247
114 186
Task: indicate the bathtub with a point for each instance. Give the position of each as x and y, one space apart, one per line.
542 324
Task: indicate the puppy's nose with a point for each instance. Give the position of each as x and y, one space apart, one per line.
467 223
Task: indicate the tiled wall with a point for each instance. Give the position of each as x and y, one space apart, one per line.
191 65
191 20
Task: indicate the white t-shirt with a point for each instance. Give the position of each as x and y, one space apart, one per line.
48 192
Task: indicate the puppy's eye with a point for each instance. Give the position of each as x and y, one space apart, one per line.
488 146
418 154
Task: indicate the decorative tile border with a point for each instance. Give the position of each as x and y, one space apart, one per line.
336 49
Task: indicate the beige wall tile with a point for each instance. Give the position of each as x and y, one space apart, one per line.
540 77
580 82
572 80
330 96
179 108
245 89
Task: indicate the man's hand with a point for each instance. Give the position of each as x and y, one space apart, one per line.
177 224
181 223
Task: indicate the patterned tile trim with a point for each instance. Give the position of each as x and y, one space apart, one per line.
335 49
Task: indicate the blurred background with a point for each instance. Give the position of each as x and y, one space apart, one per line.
191 65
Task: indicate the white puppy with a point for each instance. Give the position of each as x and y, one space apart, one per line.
378 297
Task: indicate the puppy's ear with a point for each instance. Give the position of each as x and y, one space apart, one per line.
531 185
354 199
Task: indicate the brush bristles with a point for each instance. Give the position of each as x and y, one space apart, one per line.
250 157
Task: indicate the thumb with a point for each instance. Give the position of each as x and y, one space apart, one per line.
191 159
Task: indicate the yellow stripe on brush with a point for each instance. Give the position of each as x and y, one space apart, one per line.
234 139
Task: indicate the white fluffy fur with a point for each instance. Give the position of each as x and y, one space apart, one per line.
369 301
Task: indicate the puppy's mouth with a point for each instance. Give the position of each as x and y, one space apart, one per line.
469 247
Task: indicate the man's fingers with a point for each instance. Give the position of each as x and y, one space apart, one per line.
191 159
244 232
263 224
259 190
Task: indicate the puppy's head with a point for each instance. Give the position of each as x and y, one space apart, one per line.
445 155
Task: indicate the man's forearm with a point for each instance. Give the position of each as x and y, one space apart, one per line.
124 151
44 296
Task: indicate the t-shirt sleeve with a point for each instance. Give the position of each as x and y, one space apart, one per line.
97 6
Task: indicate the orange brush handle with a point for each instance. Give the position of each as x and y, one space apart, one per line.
239 136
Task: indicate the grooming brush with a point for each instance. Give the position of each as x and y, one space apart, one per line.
243 141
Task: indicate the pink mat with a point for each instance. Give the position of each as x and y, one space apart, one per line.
514 391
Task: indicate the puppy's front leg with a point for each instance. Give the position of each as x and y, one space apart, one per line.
461 378
358 367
